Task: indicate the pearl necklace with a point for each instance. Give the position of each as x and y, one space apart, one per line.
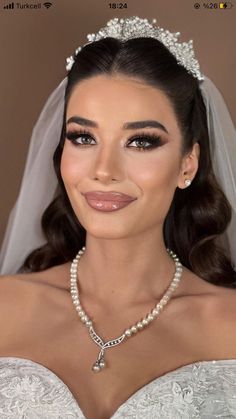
100 362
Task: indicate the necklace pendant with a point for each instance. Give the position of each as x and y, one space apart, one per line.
99 364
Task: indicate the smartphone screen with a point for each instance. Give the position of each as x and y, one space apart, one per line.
37 38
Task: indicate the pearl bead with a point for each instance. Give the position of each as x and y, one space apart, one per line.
84 319
144 322
139 325
75 300
155 312
128 332
134 329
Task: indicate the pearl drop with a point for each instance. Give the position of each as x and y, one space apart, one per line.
102 364
96 368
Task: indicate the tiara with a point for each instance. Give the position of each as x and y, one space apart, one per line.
135 27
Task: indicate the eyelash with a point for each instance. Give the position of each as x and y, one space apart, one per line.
153 139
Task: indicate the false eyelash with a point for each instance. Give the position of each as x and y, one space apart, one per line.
153 139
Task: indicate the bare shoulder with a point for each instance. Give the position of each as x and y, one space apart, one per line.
27 290
216 301
57 277
222 321
210 318
27 302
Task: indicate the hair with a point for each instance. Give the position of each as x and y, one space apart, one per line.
198 216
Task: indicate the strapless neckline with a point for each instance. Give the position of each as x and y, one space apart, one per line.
151 383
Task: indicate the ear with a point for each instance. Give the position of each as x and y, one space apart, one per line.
189 166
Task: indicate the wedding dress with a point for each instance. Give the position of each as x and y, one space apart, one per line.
203 389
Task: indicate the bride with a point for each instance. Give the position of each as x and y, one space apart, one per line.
128 309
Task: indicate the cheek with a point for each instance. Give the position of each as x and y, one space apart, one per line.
71 171
155 173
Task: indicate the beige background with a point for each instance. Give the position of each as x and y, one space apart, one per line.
35 43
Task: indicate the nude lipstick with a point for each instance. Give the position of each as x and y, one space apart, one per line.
107 201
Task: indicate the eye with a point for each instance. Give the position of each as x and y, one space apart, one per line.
85 136
146 141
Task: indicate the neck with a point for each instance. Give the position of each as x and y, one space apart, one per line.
124 272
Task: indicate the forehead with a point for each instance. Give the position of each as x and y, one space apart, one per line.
117 99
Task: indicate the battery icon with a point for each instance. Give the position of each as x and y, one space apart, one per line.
225 5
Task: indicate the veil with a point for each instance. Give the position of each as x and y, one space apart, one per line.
23 232
222 136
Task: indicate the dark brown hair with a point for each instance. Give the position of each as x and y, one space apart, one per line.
199 215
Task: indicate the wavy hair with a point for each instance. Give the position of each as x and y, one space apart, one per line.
198 216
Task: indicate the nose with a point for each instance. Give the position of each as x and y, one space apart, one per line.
108 165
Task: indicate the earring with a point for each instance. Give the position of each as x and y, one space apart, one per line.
187 182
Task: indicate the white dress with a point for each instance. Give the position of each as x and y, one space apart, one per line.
203 389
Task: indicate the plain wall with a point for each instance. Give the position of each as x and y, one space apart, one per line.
34 45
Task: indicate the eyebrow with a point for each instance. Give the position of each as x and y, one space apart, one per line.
128 125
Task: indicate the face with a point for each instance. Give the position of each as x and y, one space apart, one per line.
111 155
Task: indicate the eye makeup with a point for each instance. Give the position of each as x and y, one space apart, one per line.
146 141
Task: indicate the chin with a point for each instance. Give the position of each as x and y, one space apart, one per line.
107 229
106 232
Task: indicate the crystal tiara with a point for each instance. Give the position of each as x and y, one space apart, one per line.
135 27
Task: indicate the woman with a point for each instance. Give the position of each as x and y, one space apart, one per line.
136 234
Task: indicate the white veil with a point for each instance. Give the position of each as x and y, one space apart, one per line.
38 186
222 136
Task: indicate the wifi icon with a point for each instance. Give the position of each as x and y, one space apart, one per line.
47 4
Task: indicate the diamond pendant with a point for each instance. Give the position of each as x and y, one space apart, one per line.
100 363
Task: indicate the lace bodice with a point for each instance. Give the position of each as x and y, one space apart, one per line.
204 389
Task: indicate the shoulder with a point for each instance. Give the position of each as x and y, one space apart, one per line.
205 315
223 319
57 277
216 310
27 301
28 290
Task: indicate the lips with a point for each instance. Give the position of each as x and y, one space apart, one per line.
107 201
108 196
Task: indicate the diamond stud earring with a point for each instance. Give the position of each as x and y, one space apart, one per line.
187 182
